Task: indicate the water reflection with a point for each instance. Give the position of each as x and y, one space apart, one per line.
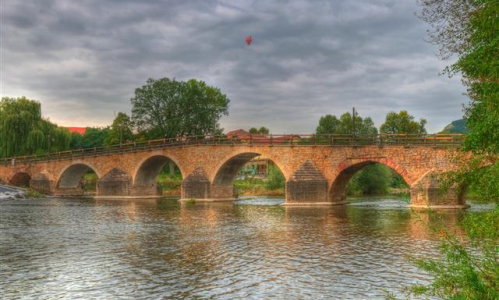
69 248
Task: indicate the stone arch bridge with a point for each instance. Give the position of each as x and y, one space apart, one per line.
316 170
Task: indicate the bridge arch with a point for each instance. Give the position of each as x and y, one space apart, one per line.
348 169
145 174
20 179
226 172
149 168
71 176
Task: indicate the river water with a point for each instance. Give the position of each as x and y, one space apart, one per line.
252 249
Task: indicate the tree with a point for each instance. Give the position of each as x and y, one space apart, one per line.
329 124
261 130
468 28
357 126
374 179
93 137
23 131
120 131
402 122
275 179
170 108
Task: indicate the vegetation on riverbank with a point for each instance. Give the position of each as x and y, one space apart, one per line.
468 266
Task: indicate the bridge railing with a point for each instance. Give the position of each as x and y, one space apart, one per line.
436 140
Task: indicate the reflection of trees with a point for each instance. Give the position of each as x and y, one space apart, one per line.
416 224
431 224
186 249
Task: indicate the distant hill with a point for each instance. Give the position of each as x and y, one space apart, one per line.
458 126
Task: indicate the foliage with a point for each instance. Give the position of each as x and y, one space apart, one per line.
89 182
479 173
23 131
468 29
479 65
93 137
30 193
465 269
275 179
256 186
402 122
120 131
170 182
468 269
329 124
374 179
170 108
261 130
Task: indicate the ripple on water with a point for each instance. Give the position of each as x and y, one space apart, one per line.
81 249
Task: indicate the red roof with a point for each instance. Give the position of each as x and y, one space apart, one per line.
79 130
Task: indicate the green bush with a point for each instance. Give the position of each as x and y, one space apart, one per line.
275 179
466 268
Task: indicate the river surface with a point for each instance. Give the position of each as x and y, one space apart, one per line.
251 249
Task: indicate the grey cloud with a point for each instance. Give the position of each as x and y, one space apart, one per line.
83 59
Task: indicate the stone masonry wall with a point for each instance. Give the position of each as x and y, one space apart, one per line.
329 161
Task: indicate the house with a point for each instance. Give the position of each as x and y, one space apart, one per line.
78 130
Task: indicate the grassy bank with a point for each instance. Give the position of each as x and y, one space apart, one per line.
257 187
170 184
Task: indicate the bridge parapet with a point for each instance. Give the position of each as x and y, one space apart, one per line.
340 140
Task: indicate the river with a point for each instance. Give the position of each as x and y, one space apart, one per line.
254 248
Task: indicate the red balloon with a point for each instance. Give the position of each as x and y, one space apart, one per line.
248 40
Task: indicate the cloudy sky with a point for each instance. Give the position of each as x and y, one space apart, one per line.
83 59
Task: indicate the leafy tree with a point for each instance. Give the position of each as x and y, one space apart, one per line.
468 29
261 130
23 131
402 122
120 131
469 269
329 124
465 270
170 108
374 179
275 179
93 137
357 126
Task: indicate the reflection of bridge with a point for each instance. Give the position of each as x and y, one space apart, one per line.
316 168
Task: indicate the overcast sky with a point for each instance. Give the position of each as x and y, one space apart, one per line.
83 59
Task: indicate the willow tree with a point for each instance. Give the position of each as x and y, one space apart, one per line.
23 131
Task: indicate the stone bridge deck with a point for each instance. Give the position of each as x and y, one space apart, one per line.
316 168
